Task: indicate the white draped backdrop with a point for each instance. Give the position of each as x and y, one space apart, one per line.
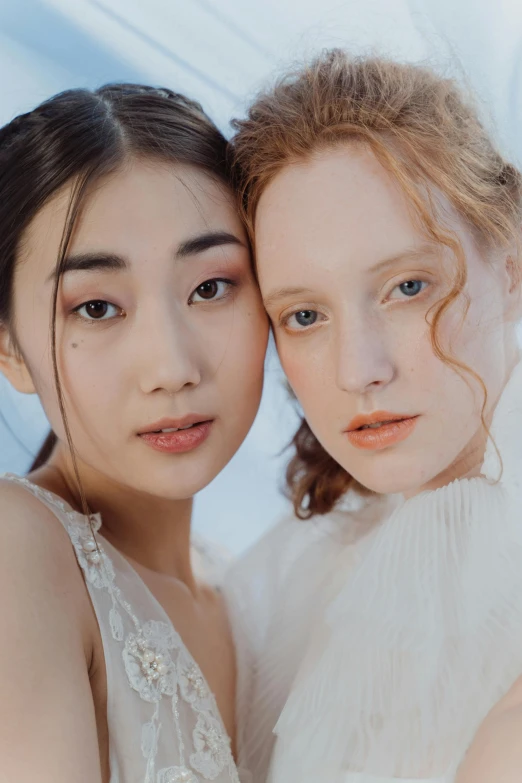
221 52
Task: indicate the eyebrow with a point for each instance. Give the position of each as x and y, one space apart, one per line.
110 262
427 249
203 242
88 262
283 293
410 254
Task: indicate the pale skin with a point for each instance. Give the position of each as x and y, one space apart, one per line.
495 755
167 345
348 280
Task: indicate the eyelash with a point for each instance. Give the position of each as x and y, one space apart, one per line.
87 319
284 322
423 283
228 283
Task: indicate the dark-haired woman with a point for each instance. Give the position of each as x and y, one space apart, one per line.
128 304
377 638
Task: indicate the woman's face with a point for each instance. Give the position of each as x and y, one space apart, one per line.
348 281
159 327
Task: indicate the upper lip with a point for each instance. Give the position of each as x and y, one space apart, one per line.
375 417
167 424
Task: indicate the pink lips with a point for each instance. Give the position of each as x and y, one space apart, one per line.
177 436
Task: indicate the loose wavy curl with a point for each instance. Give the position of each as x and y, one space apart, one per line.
427 135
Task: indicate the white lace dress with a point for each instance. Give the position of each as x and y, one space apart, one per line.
164 724
373 642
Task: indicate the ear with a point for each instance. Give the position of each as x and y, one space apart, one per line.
513 273
13 366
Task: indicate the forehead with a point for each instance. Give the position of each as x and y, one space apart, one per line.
142 207
340 205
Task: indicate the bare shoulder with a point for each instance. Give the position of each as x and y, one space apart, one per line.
37 559
45 650
30 526
495 756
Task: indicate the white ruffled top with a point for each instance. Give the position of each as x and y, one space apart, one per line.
374 641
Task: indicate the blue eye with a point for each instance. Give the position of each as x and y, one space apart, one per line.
411 288
300 320
306 317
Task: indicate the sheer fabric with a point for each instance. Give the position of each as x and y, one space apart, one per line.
164 724
376 640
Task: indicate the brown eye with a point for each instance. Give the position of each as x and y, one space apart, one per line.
98 310
208 289
211 290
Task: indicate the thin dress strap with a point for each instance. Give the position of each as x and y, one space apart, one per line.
164 723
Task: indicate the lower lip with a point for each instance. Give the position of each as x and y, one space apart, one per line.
374 439
178 442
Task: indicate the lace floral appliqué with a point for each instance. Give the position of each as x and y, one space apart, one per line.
157 665
212 747
176 775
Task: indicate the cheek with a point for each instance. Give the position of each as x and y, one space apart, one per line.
91 366
34 337
478 341
465 334
297 372
237 348
35 343
308 368
94 382
453 397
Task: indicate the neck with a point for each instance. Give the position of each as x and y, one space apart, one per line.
467 465
152 531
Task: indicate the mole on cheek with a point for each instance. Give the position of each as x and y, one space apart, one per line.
74 345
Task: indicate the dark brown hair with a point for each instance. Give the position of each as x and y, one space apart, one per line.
78 137
424 133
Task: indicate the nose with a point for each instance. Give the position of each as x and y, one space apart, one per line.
171 355
363 361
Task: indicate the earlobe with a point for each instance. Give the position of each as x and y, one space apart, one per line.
513 270
13 366
514 288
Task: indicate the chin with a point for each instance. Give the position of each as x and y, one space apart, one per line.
405 477
387 485
174 481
